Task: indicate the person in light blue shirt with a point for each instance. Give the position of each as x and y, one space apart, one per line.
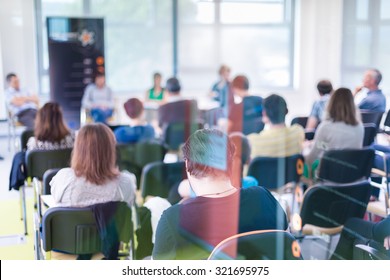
138 130
375 101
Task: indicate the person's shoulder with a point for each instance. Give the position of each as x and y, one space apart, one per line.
65 174
296 128
256 193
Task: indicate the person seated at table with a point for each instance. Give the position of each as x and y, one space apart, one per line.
93 176
98 99
156 93
50 132
191 229
138 130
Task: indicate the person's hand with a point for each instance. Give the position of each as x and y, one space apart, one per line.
358 89
386 242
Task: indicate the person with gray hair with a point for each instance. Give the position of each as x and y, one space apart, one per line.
375 101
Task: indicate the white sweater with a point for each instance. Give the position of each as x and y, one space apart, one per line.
71 191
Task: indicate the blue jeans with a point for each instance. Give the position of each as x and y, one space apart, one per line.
101 115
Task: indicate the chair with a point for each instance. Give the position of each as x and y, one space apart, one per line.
302 121
47 176
371 117
370 130
373 253
346 166
273 173
134 157
258 245
13 124
158 178
75 230
327 206
386 124
26 134
175 134
252 126
37 162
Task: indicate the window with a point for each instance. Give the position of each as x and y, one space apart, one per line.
140 38
365 40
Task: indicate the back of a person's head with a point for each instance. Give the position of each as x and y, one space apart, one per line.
242 145
9 77
240 82
133 108
49 123
276 108
173 85
209 153
341 107
94 154
324 87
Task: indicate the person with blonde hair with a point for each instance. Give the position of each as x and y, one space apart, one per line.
93 176
341 129
50 132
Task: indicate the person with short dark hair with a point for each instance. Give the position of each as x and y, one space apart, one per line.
278 140
244 115
138 130
325 89
20 102
177 108
50 132
375 101
98 99
190 230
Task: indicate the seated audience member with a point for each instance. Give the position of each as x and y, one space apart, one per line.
375 101
98 99
278 140
139 130
177 109
50 132
325 89
220 89
156 93
340 130
93 176
241 159
358 231
243 115
189 230
20 102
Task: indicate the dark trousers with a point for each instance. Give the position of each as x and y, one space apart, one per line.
27 117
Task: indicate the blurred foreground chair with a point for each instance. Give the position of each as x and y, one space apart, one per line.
78 231
258 245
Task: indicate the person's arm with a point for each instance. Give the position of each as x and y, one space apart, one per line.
317 147
165 244
86 102
386 243
128 186
311 123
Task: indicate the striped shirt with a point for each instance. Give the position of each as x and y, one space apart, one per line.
277 142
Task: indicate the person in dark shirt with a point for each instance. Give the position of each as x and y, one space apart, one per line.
138 130
190 230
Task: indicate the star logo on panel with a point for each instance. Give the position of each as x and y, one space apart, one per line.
86 38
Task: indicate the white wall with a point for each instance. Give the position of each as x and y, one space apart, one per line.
318 48
18 50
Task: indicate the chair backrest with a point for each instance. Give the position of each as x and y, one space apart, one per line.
252 126
371 117
258 245
302 121
134 157
175 134
26 134
346 166
370 130
75 231
158 178
328 206
38 161
387 120
47 176
273 173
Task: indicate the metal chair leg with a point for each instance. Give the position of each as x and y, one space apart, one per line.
23 202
